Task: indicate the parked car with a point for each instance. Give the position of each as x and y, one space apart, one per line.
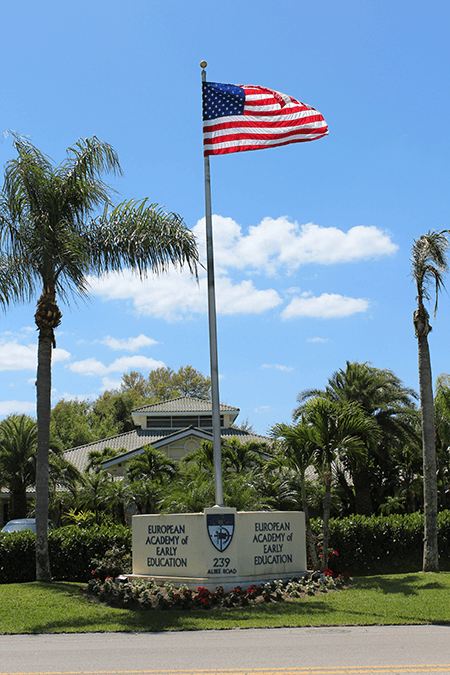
22 524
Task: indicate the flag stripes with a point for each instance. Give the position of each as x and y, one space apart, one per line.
251 118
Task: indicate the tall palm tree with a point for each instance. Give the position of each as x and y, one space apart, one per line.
50 229
429 263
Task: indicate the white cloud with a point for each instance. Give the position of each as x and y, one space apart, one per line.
280 242
273 247
14 356
169 296
176 294
94 367
76 397
326 306
88 367
134 363
108 383
17 407
263 409
318 340
128 344
277 366
60 355
244 298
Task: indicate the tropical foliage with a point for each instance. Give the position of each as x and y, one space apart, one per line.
53 238
382 398
364 420
18 450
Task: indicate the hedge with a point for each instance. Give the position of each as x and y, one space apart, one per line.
70 548
365 545
383 544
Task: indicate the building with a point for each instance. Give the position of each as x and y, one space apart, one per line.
176 427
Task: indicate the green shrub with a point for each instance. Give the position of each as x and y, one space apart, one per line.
71 550
17 557
383 544
116 561
376 545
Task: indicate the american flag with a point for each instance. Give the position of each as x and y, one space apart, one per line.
237 118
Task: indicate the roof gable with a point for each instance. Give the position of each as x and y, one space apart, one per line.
183 404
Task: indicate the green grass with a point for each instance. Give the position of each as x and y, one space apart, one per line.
393 599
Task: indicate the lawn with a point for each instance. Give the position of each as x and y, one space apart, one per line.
61 607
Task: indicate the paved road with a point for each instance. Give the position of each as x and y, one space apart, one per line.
280 651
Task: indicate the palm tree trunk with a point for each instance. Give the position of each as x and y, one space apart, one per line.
361 483
43 386
430 541
18 501
326 521
309 534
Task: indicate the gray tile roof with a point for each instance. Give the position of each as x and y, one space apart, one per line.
183 404
131 440
136 439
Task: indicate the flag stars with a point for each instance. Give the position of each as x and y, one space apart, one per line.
222 100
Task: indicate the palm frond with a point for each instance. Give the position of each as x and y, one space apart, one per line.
142 236
429 263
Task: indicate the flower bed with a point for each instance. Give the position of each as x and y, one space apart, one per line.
137 594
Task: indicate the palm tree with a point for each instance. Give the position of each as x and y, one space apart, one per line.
428 265
152 464
117 497
190 493
149 473
243 457
18 446
93 494
336 430
385 399
49 231
202 458
97 457
18 442
14 280
296 451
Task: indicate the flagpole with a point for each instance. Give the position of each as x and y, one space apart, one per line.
212 328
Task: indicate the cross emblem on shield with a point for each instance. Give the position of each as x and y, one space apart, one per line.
220 529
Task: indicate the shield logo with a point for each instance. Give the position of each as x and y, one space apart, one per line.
220 529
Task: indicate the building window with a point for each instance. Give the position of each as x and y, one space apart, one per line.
181 421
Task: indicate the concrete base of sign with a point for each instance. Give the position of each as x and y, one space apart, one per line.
220 547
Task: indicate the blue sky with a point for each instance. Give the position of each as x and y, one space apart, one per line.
312 240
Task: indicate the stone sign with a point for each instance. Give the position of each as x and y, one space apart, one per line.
220 547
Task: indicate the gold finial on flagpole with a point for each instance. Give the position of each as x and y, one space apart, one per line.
203 64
